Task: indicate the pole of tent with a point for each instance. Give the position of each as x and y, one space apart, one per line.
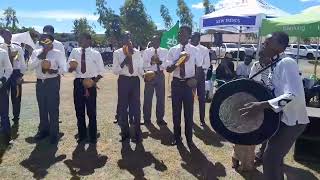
298 52
238 54
317 58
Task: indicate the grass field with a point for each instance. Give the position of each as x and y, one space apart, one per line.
110 159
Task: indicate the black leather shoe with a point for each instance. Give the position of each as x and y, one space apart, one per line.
177 142
41 135
124 137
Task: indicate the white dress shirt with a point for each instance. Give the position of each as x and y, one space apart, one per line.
243 70
58 46
54 56
118 58
94 62
263 76
147 55
174 54
18 64
5 65
289 92
204 56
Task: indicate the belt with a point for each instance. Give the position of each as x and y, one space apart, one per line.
128 77
181 80
48 79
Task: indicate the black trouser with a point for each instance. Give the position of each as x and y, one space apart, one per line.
201 92
48 102
158 85
81 103
4 110
129 95
16 93
182 95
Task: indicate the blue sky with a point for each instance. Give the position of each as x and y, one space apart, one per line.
61 13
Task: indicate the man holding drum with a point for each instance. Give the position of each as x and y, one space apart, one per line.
182 60
154 62
88 66
47 64
290 101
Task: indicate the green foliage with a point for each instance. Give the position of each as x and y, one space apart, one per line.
165 16
81 26
10 18
184 13
135 19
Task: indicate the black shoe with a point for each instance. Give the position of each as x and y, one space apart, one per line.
7 139
162 123
54 140
202 123
41 135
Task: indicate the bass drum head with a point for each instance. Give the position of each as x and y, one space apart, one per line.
225 117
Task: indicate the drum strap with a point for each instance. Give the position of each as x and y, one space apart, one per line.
265 68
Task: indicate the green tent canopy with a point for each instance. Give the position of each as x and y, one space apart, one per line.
306 24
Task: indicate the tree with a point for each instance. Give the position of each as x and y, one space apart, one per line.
184 13
206 4
165 16
110 21
135 19
80 26
10 18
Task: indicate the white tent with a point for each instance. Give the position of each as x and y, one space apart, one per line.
23 38
240 15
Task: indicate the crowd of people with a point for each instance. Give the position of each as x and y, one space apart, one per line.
188 62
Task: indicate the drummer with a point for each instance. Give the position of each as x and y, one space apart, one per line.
88 65
154 61
47 64
16 56
290 100
128 64
182 94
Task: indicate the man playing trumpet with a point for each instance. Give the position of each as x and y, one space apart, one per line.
16 56
47 64
88 66
183 58
154 62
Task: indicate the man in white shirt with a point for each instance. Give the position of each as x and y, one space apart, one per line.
47 87
128 64
154 59
290 100
16 56
90 66
181 92
243 69
5 73
201 74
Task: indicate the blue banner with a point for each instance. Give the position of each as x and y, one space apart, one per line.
230 20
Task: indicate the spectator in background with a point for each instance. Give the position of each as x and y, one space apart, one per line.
243 69
225 70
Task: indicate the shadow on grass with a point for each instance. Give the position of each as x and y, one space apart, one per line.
196 163
42 158
251 175
85 161
208 136
164 134
135 160
297 173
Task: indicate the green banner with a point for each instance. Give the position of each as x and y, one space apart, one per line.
170 38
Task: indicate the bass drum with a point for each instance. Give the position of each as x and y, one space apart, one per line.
225 116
